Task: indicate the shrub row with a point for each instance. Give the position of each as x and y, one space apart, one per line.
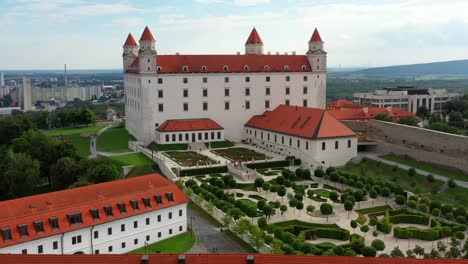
268 164
429 234
334 233
409 219
384 224
209 170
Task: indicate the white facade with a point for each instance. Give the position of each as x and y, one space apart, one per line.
26 102
177 137
98 240
330 151
229 98
434 99
2 79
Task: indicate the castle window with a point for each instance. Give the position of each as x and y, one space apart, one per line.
304 90
205 106
286 102
247 91
23 230
305 78
39 226
267 79
94 213
323 145
286 67
303 67
185 93
267 104
108 210
160 80
75 218
158 198
247 104
170 196
122 208
185 68
205 92
266 67
205 79
160 93
167 137
267 91
134 204
226 79
287 90
185 107
225 68
226 91
6 234
247 79
226 105
159 68
288 78
349 143
53 221
304 103
203 68
185 80
336 144
246 68
160 107
146 201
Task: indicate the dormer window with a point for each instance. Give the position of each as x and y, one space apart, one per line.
94 213
53 221
185 68
75 218
146 202
108 210
303 67
6 234
203 68
159 68
23 230
266 67
170 196
246 68
39 226
225 68
122 208
158 199
286 67
135 205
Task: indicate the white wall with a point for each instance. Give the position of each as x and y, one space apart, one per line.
142 104
115 240
311 154
161 136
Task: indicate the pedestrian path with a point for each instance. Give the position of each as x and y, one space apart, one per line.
375 156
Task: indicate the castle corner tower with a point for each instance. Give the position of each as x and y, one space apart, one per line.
316 54
130 52
147 52
254 44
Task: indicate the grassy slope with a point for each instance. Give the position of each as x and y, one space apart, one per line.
141 162
114 140
373 210
192 206
165 147
457 175
80 143
177 244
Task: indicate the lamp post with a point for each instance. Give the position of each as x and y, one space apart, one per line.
146 246
191 226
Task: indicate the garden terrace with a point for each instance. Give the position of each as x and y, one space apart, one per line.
141 162
114 140
201 172
297 228
175 245
166 147
239 154
78 137
189 158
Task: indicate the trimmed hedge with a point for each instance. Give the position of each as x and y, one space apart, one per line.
210 170
455 228
384 224
334 233
409 219
429 234
268 164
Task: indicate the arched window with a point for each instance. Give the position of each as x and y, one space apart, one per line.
246 67
303 67
225 68
203 68
159 68
185 68
266 67
286 67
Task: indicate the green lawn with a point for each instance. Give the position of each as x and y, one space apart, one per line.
457 175
371 168
241 154
246 186
454 196
373 210
322 192
220 144
194 207
189 158
74 137
114 140
165 147
246 247
248 202
141 162
361 219
175 245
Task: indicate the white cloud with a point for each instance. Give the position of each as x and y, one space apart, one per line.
129 21
235 2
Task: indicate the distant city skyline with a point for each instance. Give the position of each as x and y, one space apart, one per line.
89 34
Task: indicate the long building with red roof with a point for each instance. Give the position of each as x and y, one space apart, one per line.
311 134
113 217
226 88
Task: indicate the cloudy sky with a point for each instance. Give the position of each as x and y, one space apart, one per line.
88 34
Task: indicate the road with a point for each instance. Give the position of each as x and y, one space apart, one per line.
209 237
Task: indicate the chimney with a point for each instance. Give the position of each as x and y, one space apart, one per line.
250 259
100 195
269 52
293 52
181 259
238 53
33 208
277 53
144 259
49 204
285 53
365 110
177 53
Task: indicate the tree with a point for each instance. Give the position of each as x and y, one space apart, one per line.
268 211
261 204
373 195
101 170
262 222
451 183
408 120
348 205
266 186
334 196
423 112
87 116
20 177
400 199
242 226
326 209
319 173
81 182
418 250
306 174
456 120
378 244
65 172
413 204
259 182
227 220
299 206
281 192
383 117
385 192
274 189
283 209
430 178
412 172
13 127
369 252
256 237
435 212
365 229
235 213
310 209
397 253
293 202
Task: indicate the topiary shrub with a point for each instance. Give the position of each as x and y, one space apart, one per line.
412 172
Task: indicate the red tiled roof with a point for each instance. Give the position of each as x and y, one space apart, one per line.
234 63
130 41
315 36
58 204
214 258
189 125
298 121
369 114
343 103
147 35
253 37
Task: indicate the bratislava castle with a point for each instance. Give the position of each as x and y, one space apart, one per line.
226 89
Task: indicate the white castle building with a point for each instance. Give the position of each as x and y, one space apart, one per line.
108 218
225 89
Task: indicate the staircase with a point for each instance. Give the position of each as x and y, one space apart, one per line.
197 146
